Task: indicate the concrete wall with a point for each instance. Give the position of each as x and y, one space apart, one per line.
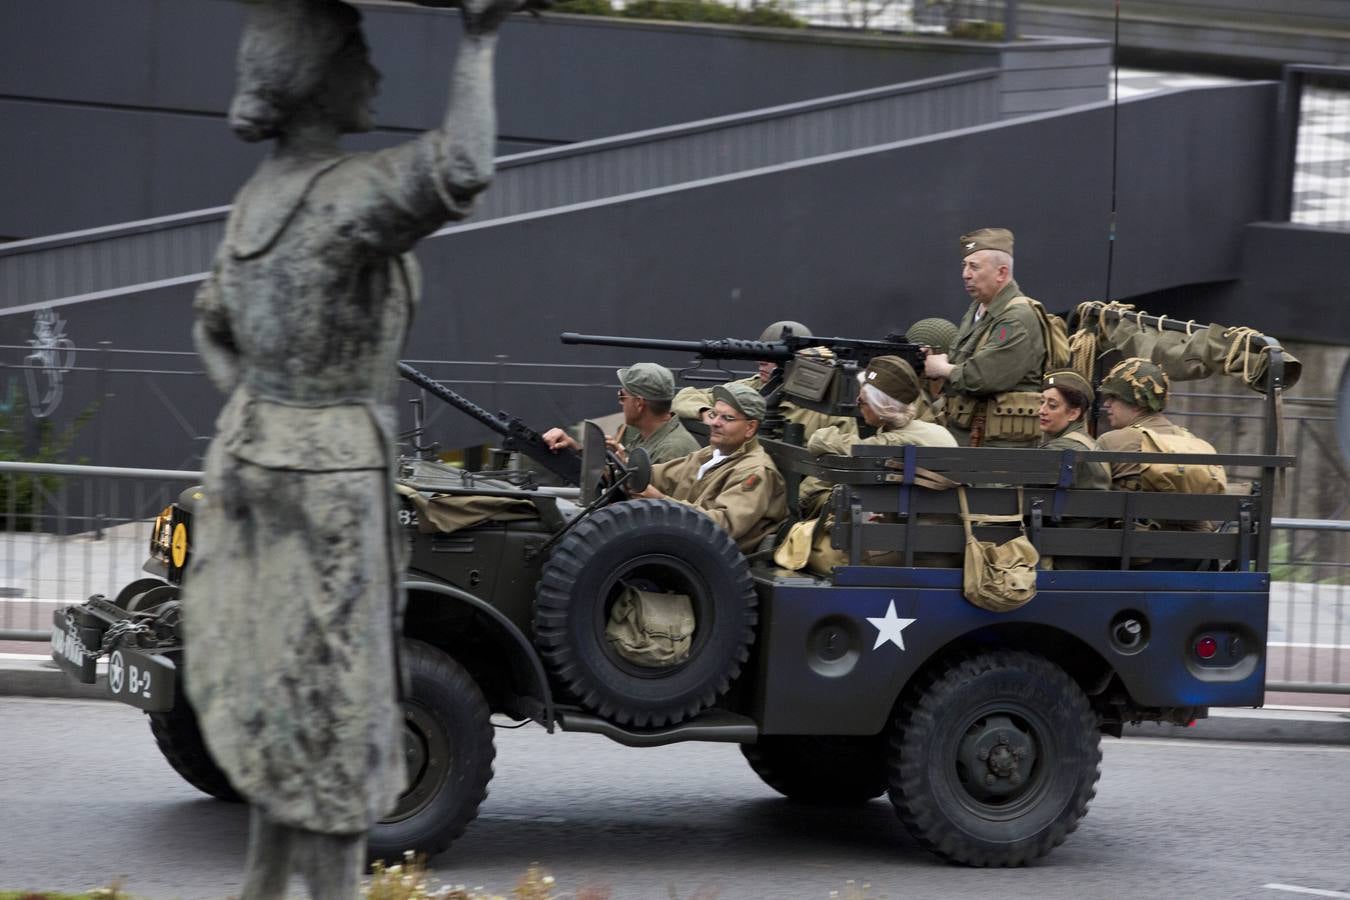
859 243
113 108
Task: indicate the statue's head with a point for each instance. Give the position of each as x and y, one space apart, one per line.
302 58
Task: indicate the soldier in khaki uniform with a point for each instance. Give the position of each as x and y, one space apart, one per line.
697 403
888 391
1066 400
1134 394
732 480
998 356
937 335
645 393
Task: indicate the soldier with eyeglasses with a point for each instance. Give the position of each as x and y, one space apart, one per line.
732 480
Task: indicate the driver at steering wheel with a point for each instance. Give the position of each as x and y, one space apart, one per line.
732 480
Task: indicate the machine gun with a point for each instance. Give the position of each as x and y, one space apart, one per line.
516 435
822 382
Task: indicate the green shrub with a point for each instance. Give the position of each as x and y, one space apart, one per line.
586 7
768 14
976 30
21 494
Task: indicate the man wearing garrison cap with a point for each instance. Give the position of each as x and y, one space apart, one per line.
732 480
994 368
645 392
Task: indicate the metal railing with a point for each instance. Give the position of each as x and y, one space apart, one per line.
74 531
973 19
1312 177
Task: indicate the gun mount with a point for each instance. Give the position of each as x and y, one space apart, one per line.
813 372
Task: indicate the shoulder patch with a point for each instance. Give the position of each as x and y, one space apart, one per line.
1002 333
750 483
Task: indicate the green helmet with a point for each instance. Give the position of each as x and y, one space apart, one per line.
1138 382
935 333
778 330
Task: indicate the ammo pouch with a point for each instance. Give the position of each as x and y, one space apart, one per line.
808 546
651 629
997 577
1013 416
961 410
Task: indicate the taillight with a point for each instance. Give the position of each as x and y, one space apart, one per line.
1206 646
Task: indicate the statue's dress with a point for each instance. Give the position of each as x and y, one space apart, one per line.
291 601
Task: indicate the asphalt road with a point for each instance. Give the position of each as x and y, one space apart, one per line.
85 798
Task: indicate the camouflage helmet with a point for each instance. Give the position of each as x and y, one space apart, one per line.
935 333
1138 382
778 330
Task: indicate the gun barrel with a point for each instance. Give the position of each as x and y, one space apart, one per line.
516 435
721 348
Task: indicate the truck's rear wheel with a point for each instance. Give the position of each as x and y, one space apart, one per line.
181 742
994 758
448 740
654 545
821 769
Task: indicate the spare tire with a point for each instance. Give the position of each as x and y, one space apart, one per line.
654 545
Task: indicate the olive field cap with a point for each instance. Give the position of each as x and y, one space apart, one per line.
778 330
937 334
893 377
1068 378
987 239
1138 382
648 381
742 397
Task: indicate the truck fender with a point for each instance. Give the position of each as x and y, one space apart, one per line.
522 650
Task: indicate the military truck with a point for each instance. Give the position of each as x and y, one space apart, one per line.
983 728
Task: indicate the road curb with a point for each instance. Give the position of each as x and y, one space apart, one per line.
1272 724
42 678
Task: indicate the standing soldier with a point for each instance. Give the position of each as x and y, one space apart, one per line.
994 369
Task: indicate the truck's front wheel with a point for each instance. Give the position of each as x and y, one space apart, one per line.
448 741
181 743
994 758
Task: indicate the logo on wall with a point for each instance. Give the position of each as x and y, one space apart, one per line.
51 356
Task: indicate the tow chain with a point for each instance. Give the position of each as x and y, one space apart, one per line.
134 626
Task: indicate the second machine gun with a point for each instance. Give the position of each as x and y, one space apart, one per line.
824 382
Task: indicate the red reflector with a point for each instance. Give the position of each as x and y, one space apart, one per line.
1206 647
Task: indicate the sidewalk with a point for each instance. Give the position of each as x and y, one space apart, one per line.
1276 724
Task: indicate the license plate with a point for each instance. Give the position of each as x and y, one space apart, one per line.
144 680
69 652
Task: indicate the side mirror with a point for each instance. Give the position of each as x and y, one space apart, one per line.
639 470
592 460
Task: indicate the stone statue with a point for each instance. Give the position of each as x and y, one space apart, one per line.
293 600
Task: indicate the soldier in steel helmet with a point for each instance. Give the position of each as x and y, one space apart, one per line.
937 335
1134 395
645 393
697 403
994 369
732 480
